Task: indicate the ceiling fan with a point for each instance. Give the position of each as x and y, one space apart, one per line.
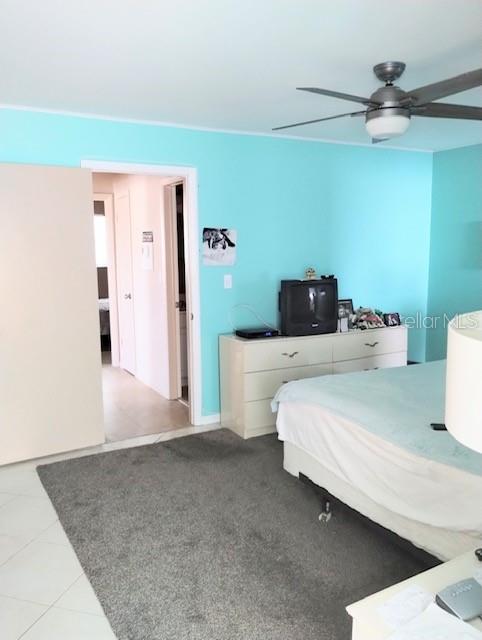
389 109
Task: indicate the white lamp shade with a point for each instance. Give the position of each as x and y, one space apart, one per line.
463 393
387 126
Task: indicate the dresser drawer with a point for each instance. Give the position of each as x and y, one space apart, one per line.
383 361
284 354
264 384
362 344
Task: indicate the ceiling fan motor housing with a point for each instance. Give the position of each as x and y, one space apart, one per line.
389 96
387 117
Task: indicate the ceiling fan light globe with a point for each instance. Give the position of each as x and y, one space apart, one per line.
387 126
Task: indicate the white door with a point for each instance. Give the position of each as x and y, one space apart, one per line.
50 369
125 294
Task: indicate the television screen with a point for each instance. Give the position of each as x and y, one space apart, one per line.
311 303
308 306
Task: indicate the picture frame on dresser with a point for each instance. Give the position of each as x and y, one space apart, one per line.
345 311
392 319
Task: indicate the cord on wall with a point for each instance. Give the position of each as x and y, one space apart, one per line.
250 309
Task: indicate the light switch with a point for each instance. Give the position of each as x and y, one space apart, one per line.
228 281
147 257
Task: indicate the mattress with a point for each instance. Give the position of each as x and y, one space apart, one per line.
397 404
412 486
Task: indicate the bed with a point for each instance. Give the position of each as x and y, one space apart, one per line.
365 437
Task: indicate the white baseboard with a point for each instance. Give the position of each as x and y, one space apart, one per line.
210 419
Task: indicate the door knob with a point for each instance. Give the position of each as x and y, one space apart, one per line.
127 296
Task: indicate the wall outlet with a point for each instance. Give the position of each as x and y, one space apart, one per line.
228 281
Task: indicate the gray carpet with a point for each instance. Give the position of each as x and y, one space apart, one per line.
207 538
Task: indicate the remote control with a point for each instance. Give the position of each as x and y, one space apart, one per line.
438 426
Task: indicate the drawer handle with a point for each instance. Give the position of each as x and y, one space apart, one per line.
290 355
286 381
371 344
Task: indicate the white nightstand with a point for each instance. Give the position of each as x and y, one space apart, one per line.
367 623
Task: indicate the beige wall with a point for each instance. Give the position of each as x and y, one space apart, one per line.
103 182
50 369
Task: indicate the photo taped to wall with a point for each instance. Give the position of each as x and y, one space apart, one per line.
219 246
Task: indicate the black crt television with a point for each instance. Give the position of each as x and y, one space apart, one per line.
308 307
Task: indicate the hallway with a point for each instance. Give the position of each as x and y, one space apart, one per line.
131 409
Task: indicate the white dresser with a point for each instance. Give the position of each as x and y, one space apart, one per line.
251 371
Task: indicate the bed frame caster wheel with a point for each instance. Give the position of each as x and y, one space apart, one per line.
325 517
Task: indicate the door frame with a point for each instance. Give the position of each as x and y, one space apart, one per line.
191 230
108 200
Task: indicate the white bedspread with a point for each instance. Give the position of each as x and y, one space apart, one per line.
397 404
422 490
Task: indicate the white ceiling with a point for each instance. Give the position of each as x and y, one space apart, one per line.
234 64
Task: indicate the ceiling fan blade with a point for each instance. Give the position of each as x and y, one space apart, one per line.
337 94
300 124
441 110
438 90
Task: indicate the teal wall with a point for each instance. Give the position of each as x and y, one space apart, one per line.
381 232
360 212
455 284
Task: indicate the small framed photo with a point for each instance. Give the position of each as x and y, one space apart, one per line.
345 311
392 319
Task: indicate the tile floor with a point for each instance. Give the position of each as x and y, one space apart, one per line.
132 409
44 593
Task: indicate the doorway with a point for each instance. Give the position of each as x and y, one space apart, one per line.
191 243
144 233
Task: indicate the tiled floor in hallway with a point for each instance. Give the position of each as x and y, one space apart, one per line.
132 409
